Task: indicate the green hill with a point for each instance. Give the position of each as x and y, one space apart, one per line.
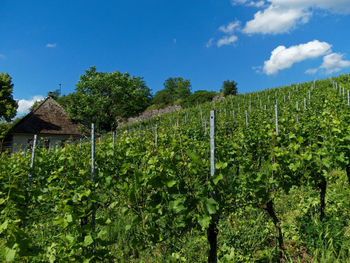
278 193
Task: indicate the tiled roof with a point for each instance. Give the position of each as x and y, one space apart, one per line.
47 118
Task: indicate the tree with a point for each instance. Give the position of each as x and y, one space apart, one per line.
198 97
5 127
229 88
175 90
102 98
178 88
8 106
162 98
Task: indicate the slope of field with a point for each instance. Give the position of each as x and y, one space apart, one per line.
281 186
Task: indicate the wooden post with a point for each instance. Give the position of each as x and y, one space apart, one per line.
246 118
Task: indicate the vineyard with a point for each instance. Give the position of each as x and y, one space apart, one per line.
279 191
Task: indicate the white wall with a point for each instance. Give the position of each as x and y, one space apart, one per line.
20 141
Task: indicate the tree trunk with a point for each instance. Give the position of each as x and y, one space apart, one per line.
348 172
323 187
212 239
269 208
83 222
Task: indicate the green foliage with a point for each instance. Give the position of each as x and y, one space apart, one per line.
4 128
229 88
175 89
198 97
162 99
102 98
8 106
178 88
154 202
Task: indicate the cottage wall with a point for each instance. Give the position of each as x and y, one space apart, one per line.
23 141
49 121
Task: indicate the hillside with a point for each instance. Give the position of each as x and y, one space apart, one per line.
279 192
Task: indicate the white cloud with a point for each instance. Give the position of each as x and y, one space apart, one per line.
331 63
259 4
227 40
281 16
230 28
51 45
282 57
238 2
209 43
311 71
334 63
336 6
24 105
276 20
229 34
248 3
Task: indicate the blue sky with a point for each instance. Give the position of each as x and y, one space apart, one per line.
258 43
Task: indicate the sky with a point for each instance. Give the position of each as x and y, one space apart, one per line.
259 44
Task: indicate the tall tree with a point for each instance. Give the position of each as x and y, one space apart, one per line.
178 88
175 89
229 88
8 106
102 98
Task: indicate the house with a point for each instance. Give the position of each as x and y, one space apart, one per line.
49 121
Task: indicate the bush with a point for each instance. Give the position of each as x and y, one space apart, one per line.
200 96
229 88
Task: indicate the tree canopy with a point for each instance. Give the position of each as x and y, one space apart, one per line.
198 97
178 88
102 98
175 89
229 88
8 106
